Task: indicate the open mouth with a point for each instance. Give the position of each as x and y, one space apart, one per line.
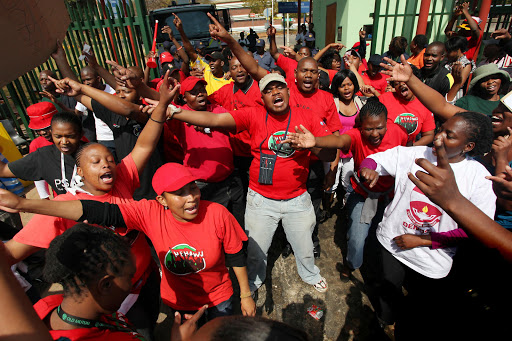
307 84
278 101
107 178
492 88
201 101
191 210
404 91
496 119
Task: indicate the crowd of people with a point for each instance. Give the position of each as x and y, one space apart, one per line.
192 173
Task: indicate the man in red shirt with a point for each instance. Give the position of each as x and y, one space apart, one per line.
372 76
278 174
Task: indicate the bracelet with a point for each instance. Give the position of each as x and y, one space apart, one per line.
151 118
249 294
179 48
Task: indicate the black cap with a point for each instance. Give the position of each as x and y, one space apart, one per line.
375 59
214 56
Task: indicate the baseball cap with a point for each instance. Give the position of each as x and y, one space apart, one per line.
465 24
260 43
375 59
189 83
171 177
309 37
271 77
40 115
353 52
214 56
166 57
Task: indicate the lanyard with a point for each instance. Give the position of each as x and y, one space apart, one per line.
285 133
119 324
67 184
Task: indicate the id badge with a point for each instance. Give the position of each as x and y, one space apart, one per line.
267 164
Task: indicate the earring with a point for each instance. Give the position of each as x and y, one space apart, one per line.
166 207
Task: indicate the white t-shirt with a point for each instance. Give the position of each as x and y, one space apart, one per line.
411 212
103 132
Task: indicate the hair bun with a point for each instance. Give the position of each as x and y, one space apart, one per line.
72 249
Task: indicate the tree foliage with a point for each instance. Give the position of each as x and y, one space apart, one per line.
257 6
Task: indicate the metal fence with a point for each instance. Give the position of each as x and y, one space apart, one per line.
120 33
400 18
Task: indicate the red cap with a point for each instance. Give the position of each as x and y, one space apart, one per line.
171 177
189 83
357 45
166 57
40 115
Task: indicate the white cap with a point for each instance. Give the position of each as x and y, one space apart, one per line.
271 77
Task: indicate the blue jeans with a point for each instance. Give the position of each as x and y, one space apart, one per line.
262 215
357 231
224 308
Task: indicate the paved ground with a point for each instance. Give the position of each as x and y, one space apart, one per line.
348 314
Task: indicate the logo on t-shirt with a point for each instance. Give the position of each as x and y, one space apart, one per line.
137 129
183 259
408 121
281 149
423 215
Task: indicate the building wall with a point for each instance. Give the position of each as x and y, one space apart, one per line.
350 14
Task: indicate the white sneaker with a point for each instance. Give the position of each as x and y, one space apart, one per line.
321 286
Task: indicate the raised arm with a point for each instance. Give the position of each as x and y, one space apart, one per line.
337 46
62 63
186 43
109 78
429 97
448 31
179 48
271 32
205 119
128 78
148 138
217 31
85 94
475 29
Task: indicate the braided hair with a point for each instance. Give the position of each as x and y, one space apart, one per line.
372 108
82 149
479 131
84 254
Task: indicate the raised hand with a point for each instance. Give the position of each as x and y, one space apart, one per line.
502 33
302 138
457 68
90 58
167 30
362 33
501 146
438 182
67 86
169 88
336 46
464 7
124 76
398 72
217 31
177 22
271 31
59 51
48 95
289 52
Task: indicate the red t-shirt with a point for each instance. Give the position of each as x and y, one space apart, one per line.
291 166
320 102
42 229
208 156
37 143
473 44
289 66
361 149
379 81
232 98
412 115
45 306
191 254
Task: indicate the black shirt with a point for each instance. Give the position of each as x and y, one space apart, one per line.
126 132
45 164
438 80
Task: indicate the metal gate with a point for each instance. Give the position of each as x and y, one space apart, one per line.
120 33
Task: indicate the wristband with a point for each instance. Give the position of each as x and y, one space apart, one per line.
151 118
179 48
249 294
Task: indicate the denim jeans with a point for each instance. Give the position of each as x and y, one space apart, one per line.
357 231
262 216
224 308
